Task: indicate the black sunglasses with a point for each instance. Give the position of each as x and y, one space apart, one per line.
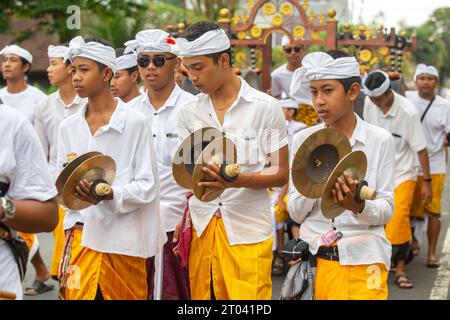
158 61
289 49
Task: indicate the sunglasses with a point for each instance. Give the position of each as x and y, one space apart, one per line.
158 61
289 49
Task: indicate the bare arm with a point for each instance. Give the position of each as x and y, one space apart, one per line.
33 216
426 187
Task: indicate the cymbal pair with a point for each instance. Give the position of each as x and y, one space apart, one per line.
321 160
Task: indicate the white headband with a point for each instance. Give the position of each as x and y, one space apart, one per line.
57 51
285 41
126 61
18 51
320 66
213 41
423 68
153 40
376 92
92 50
288 103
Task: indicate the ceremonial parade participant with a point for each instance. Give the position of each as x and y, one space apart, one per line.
157 60
50 112
231 247
16 65
282 76
279 196
393 112
353 254
435 117
27 196
124 229
18 94
124 82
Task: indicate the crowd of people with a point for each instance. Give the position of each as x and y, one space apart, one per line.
152 239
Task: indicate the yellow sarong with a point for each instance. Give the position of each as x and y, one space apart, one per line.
363 282
119 277
434 207
58 245
281 215
239 272
398 230
32 243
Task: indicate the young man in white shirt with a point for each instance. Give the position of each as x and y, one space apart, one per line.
157 60
16 65
355 263
124 82
231 249
435 117
282 76
27 192
50 112
123 230
389 110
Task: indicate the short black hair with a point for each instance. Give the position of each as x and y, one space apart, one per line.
196 30
120 52
375 80
347 82
25 62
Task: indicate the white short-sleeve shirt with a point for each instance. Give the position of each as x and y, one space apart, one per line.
23 166
436 125
164 130
281 81
50 112
25 101
403 122
364 238
129 224
256 124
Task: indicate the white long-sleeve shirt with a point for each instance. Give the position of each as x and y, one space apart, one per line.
130 223
364 239
25 101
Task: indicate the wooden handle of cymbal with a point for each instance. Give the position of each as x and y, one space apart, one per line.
102 189
71 156
5 295
232 170
367 193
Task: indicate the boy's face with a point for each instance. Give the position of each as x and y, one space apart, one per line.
13 68
426 84
205 74
159 72
57 71
331 101
288 113
122 83
87 78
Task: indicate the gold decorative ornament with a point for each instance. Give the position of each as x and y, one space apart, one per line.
181 27
256 32
311 15
286 9
315 35
305 5
241 35
331 15
224 14
384 51
269 8
298 32
235 20
277 20
244 17
241 57
321 18
365 55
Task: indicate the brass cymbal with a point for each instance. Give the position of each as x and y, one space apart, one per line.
96 167
316 159
188 152
70 167
356 164
219 151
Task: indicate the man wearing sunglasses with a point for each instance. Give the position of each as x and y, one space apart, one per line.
282 76
157 62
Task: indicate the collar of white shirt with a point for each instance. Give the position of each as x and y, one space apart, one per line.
117 121
359 134
75 102
170 102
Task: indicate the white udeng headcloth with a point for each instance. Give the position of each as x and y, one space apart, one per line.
92 50
423 68
288 103
376 92
18 51
57 51
153 40
320 66
285 41
126 61
213 41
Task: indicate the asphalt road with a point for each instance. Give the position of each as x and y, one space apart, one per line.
428 283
